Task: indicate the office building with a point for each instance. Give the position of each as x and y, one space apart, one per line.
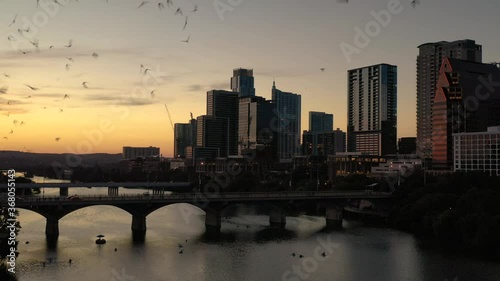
339 140
318 144
131 153
372 110
288 115
242 82
479 151
212 132
323 144
407 145
428 64
224 106
467 100
184 136
254 129
320 122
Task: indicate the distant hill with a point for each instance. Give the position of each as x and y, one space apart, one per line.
33 161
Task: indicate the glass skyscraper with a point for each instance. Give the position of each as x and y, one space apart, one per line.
288 113
224 105
320 122
242 82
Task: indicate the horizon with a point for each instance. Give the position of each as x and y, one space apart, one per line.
115 108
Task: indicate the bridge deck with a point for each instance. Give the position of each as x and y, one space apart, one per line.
104 184
193 197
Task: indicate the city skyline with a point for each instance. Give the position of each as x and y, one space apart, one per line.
189 70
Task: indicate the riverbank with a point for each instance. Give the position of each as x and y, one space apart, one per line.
459 212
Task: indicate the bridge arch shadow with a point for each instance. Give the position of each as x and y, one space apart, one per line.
181 216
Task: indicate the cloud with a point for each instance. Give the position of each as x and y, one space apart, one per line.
8 102
219 86
281 73
208 87
194 88
158 81
106 99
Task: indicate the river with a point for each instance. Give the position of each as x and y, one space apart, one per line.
248 249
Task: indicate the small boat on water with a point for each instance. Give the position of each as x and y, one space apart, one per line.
100 239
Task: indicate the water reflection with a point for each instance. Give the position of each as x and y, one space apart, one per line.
247 249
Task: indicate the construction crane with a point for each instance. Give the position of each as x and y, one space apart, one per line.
170 118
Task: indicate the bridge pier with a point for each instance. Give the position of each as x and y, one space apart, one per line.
63 191
112 191
277 217
213 221
138 227
52 229
158 191
334 217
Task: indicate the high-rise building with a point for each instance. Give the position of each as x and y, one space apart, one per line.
318 144
224 105
407 145
428 64
212 132
340 140
242 82
288 111
255 127
372 110
467 100
184 136
130 153
320 122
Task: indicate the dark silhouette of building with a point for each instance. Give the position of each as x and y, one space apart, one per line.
467 100
340 140
318 144
323 144
213 132
407 145
255 125
320 122
140 152
288 117
428 64
224 106
184 136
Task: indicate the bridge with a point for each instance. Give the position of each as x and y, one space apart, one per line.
111 186
53 208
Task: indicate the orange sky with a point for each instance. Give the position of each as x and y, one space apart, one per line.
283 39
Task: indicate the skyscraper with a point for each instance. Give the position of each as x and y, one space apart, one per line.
242 82
407 145
320 122
340 139
184 136
288 111
255 117
224 105
212 132
467 100
372 109
428 64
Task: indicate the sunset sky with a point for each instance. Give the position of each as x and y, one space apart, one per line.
289 40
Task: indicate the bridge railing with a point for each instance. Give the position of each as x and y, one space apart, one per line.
199 196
